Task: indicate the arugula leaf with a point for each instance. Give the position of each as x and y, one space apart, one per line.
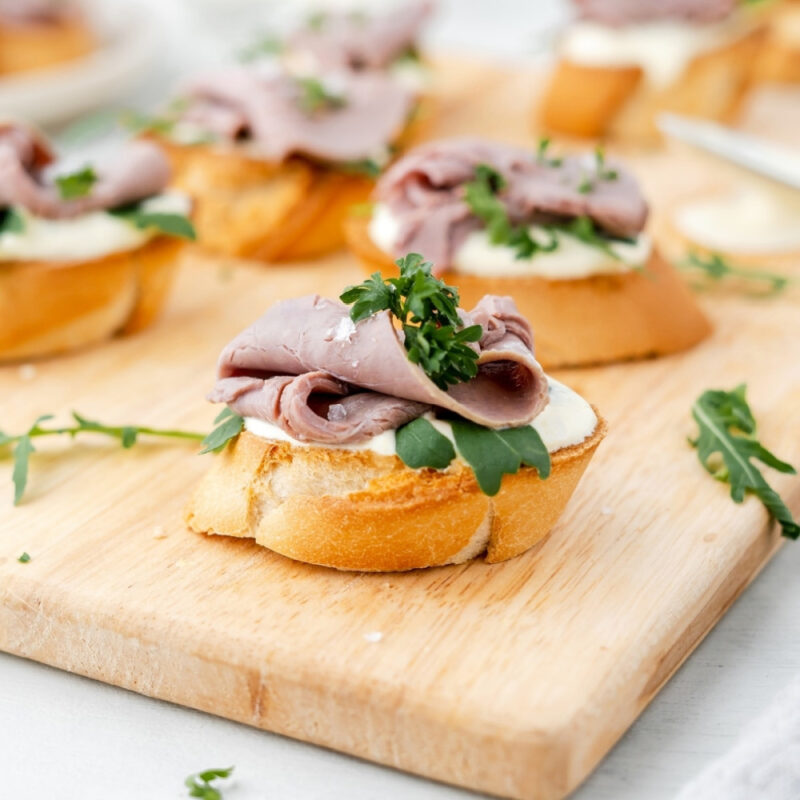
315 96
23 446
427 308
11 221
169 224
727 446
24 558
492 454
419 444
229 426
717 268
367 166
199 784
77 184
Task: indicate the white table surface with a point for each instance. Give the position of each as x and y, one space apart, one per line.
62 736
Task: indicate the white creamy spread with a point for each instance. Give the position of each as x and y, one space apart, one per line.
572 258
663 48
753 219
89 236
566 420
411 75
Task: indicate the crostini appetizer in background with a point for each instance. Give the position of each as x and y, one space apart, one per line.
35 34
565 237
779 59
364 39
391 430
83 255
622 62
274 159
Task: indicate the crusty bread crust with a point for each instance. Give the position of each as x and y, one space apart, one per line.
779 58
30 47
357 510
581 321
51 307
618 103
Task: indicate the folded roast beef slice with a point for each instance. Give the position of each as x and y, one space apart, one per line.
264 105
139 170
361 40
305 367
36 12
619 13
425 193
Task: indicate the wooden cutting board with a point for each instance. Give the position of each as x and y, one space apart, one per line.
514 679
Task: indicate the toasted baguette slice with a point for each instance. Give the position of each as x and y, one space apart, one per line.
617 102
357 510
779 58
51 307
30 47
582 321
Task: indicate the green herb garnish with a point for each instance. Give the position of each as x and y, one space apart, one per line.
199 784
317 20
367 167
584 229
604 173
229 426
718 268
428 312
315 96
265 47
21 445
11 221
77 184
419 445
24 558
727 447
168 224
541 154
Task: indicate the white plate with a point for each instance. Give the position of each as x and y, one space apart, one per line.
128 45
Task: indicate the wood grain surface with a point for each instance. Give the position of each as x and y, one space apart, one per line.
515 678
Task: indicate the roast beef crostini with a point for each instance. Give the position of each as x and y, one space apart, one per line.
35 34
84 254
622 62
565 237
392 430
275 157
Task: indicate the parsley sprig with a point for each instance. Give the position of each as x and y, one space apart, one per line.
481 194
727 448
427 309
717 268
199 784
76 184
21 446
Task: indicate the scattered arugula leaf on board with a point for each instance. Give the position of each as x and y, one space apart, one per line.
21 446
229 426
11 221
24 558
419 444
169 224
76 184
717 268
727 447
427 308
315 96
199 784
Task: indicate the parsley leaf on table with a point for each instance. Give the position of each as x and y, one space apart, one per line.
199 784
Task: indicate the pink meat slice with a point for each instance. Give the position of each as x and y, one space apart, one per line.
263 105
35 12
304 367
362 41
425 193
139 170
619 13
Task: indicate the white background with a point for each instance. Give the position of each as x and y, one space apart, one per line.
65 737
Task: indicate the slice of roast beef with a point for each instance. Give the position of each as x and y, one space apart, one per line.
618 13
138 171
425 193
305 367
265 107
357 40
